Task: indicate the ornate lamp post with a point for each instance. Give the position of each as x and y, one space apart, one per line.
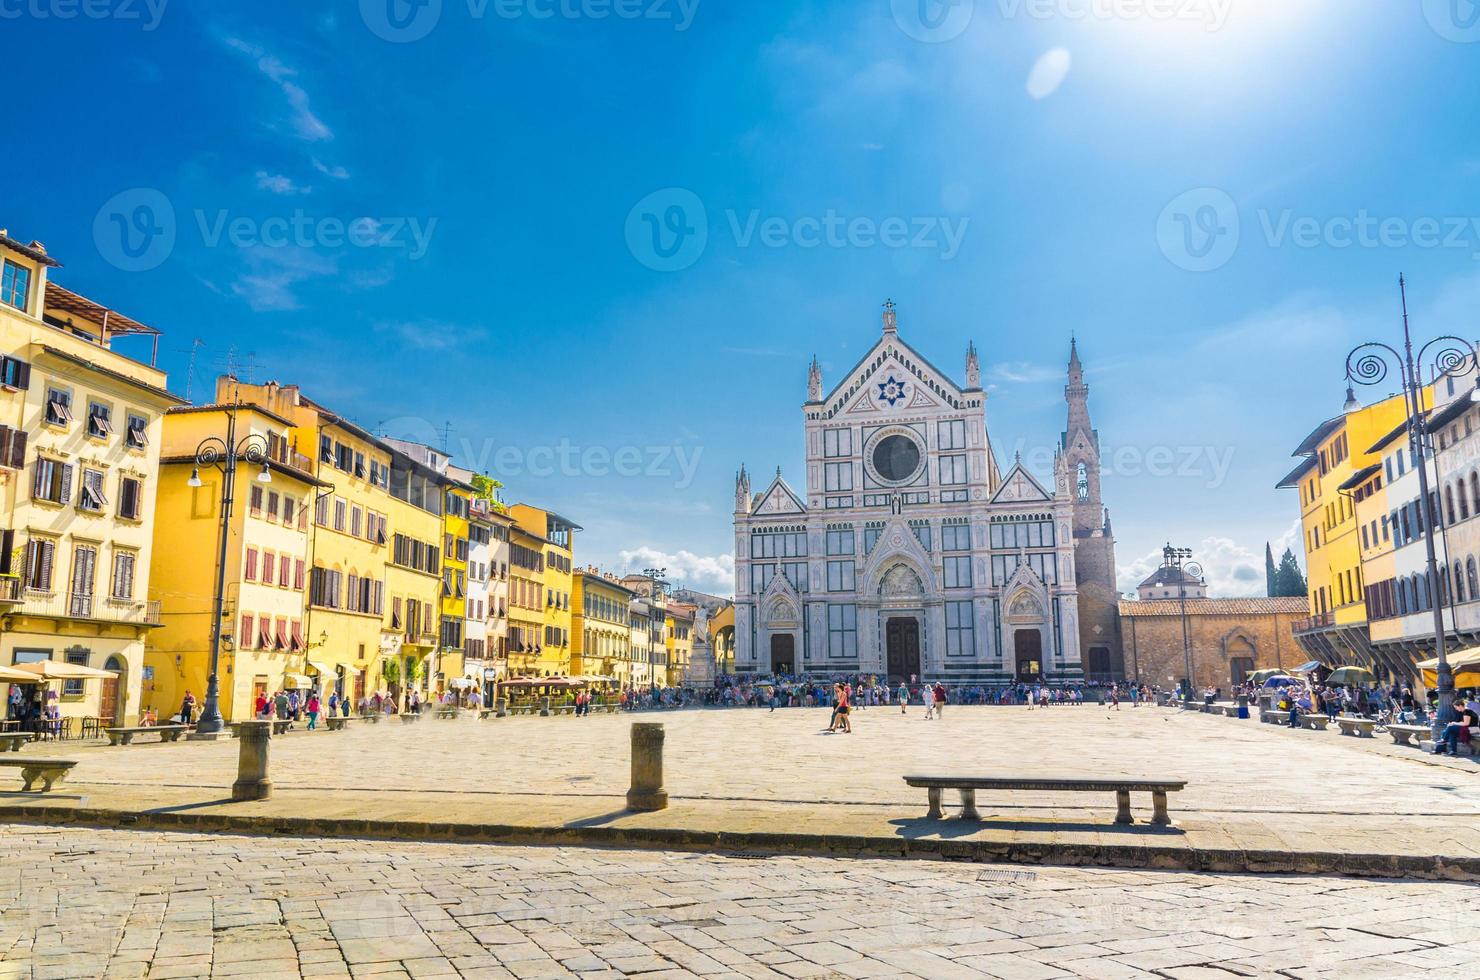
1367 364
224 454
1177 558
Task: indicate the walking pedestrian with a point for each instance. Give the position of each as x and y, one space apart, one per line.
904 697
940 699
313 711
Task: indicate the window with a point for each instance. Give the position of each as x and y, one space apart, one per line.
247 637
99 420
15 285
842 631
78 656
837 442
922 534
356 517
840 576
837 476
58 406
92 498
12 447
760 577
326 449
138 431
871 538
130 498
951 435
40 560
84 572
340 509
124 563
960 631
955 537
957 571
53 481
250 573
272 505
841 542
15 373
254 501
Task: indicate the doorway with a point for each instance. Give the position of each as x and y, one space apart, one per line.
1029 647
108 702
902 644
783 653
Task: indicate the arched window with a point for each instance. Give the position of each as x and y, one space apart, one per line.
1472 578
1449 503
1475 490
1444 585
1459 582
1402 591
1081 483
1464 501
1421 589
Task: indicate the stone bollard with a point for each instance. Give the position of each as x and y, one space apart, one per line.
251 768
503 708
545 711
647 793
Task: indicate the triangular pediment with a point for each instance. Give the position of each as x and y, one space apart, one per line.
1019 486
892 376
779 498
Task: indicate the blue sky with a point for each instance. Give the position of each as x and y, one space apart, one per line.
1217 196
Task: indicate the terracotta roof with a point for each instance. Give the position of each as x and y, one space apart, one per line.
1360 477
1170 576
34 251
1259 606
59 297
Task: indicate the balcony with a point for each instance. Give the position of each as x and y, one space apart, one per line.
98 609
1313 623
291 458
10 591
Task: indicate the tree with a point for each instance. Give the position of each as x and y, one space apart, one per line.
1290 582
1271 574
486 488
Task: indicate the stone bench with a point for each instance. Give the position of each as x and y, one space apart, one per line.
337 723
1472 747
12 741
370 719
1409 734
1122 788
125 736
1315 722
1275 717
49 771
448 713
1229 710
1359 727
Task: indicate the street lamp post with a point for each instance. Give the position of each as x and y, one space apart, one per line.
224 454
1367 365
1177 558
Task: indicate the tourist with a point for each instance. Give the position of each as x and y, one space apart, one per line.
904 697
313 711
187 708
282 704
938 695
1457 731
260 709
843 710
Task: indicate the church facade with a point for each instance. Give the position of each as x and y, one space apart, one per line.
909 553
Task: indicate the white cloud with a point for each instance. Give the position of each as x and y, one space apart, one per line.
1232 571
1049 73
431 335
705 573
336 172
308 126
1022 372
274 272
280 184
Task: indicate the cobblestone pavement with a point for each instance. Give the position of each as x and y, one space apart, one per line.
1251 787
122 904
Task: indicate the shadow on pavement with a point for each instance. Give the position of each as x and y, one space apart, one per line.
921 827
597 821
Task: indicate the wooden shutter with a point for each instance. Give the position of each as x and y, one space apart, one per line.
40 481
66 494
298 575
251 574
286 566
48 558
17 458
22 375
245 641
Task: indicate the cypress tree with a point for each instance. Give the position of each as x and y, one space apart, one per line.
1271 574
1290 580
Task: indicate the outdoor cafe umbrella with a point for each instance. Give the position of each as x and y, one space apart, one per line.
10 675
1260 676
1280 681
1465 664
1351 677
56 670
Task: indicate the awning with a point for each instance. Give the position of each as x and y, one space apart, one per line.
1309 667
461 683
1460 658
297 681
322 669
56 670
9 675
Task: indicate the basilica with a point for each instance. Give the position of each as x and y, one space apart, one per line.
910 553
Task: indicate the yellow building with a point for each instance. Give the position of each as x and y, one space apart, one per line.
1333 454
527 655
410 634
722 638
80 427
349 539
601 628
264 645
679 620
457 498
553 537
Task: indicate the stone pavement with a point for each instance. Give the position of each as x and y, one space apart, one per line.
130 904
1253 790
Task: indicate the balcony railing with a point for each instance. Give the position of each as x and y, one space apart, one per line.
10 590
101 609
1316 622
291 458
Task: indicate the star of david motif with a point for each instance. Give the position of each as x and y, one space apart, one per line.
891 391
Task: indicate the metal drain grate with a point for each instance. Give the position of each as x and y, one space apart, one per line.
1007 876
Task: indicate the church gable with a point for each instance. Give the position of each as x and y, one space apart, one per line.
1019 487
892 376
779 499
